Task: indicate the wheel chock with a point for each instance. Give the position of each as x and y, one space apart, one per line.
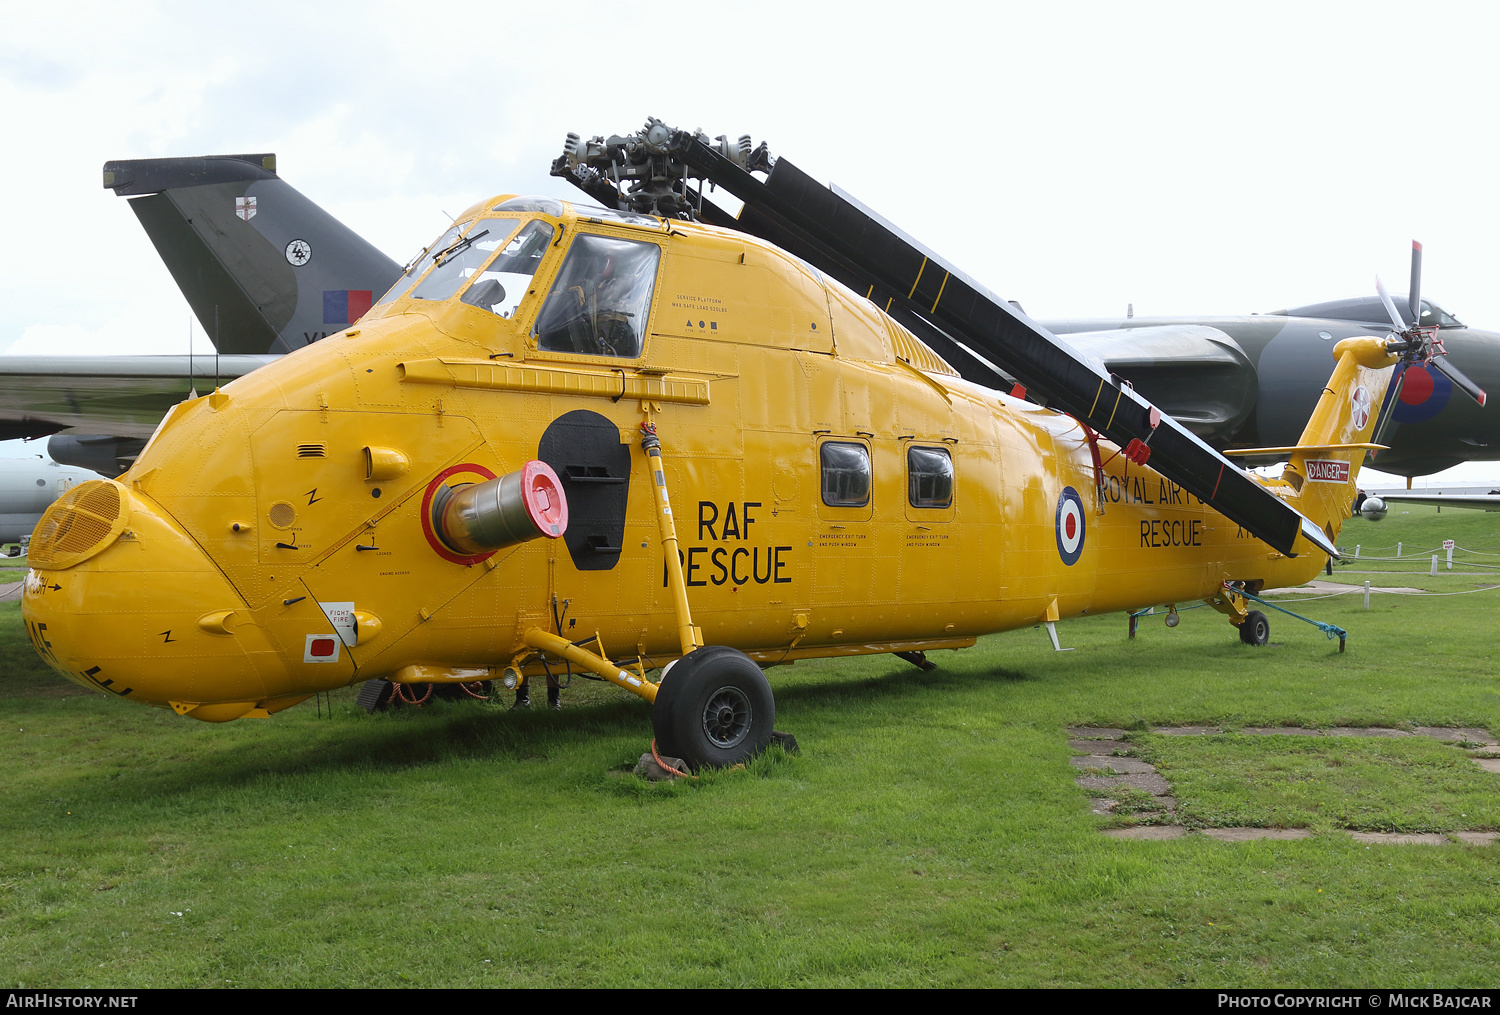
650 770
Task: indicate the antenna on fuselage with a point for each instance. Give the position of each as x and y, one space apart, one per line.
192 388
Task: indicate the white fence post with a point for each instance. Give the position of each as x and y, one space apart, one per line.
1434 564
1367 593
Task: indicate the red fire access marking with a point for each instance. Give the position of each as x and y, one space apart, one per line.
427 530
323 647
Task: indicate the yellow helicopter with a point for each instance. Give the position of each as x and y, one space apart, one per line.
718 455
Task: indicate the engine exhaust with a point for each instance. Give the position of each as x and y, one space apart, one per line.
515 508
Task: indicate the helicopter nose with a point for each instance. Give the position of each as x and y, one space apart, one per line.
116 598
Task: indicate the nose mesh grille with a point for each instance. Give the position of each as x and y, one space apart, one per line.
78 525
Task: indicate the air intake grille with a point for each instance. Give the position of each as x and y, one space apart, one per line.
312 450
916 352
78 525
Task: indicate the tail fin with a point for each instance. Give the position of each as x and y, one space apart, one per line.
1324 467
264 269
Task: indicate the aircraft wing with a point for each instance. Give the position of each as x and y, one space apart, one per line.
1473 501
125 396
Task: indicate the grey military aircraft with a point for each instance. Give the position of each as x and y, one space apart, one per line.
1241 382
267 271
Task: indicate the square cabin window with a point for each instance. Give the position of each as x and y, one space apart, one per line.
929 477
846 474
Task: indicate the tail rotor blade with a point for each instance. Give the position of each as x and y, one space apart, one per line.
1390 307
1459 378
1414 301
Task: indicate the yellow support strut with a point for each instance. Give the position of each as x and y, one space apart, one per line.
562 647
689 635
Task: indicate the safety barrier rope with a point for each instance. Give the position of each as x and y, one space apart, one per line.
1463 592
1392 592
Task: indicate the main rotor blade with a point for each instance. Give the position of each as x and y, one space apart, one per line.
1459 378
1414 301
1390 307
849 241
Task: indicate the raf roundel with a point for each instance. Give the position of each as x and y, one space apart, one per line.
1070 526
1423 392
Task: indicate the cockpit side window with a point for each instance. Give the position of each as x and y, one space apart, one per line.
599 304
459 262
499 287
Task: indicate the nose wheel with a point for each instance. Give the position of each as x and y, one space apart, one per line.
714 708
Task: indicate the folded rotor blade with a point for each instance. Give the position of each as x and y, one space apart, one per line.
1390 307
1459 378
1414 301
842 237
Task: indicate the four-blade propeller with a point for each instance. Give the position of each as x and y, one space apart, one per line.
1417 343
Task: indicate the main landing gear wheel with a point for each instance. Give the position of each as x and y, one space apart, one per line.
714 709
1255 629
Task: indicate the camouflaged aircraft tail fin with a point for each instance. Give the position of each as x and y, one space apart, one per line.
264 269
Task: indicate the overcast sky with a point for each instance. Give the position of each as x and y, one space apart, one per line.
1186 158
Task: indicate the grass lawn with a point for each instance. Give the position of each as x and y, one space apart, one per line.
930 832
1325 783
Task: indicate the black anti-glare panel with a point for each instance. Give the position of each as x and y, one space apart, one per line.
838 235
584 450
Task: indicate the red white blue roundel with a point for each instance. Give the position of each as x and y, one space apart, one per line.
1070 526
1424 392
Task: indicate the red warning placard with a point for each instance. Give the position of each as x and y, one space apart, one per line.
1323 471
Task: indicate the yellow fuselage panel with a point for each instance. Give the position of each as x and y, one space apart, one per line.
255 500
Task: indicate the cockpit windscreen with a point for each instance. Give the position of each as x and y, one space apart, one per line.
499 287
456 264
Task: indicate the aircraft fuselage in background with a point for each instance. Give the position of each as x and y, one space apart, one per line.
28 486
1251 381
